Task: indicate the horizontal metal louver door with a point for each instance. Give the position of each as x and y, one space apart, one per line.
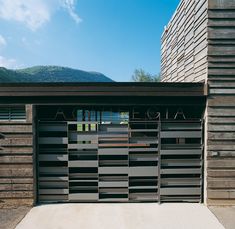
143 160
53 180
181 161
83 161
113 162
140 160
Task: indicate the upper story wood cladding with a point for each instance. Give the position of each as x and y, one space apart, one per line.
184 43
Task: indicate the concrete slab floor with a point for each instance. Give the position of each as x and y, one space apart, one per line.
226 215
120 216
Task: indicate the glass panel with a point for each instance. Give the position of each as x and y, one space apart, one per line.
79 115
79 127
104 117
124 117
92 116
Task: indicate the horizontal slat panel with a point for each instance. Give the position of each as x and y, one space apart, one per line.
114 151
16 159
53 140
52 127
181 171
230 163
221 153
180 162
53 198
82 146
83 164
52 179
53 157
181 134
16 142
143 196
181 152
221 172
113 184
221 183
180 181
16 172
55 170
181 126
221 4
13 128
223 194
181 191
221 136
16 194
113 170
16 187
53 191
143 171
84 196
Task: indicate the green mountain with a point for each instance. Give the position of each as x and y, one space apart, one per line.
45 74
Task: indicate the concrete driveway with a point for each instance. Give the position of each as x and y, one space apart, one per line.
120 216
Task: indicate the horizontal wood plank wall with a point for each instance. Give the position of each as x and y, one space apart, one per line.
221 102
16 161
184 43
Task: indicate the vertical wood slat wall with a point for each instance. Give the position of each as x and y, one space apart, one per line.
184 44
221 102
217 66
16 161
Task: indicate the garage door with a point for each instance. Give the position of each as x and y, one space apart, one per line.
113 157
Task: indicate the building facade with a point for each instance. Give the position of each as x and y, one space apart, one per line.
131 142
198 45
101 142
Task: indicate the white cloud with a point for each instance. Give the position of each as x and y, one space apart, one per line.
8 63
69 5
2 41
35 13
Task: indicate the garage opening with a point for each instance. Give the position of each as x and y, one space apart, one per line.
119 153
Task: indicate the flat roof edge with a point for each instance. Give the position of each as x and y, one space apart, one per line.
158 89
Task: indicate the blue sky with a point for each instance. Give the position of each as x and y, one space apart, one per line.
110 36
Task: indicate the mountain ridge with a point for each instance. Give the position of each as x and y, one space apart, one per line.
45 74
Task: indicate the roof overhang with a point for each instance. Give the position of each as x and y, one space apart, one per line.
58 92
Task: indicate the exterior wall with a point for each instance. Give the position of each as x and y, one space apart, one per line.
16 162
221 102
216 67
184 43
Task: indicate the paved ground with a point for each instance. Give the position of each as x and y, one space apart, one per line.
120 216
226 215
10 217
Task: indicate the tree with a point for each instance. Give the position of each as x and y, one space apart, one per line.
140 75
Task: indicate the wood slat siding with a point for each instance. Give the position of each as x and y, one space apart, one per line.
16 162
184 44
221 102
217 67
